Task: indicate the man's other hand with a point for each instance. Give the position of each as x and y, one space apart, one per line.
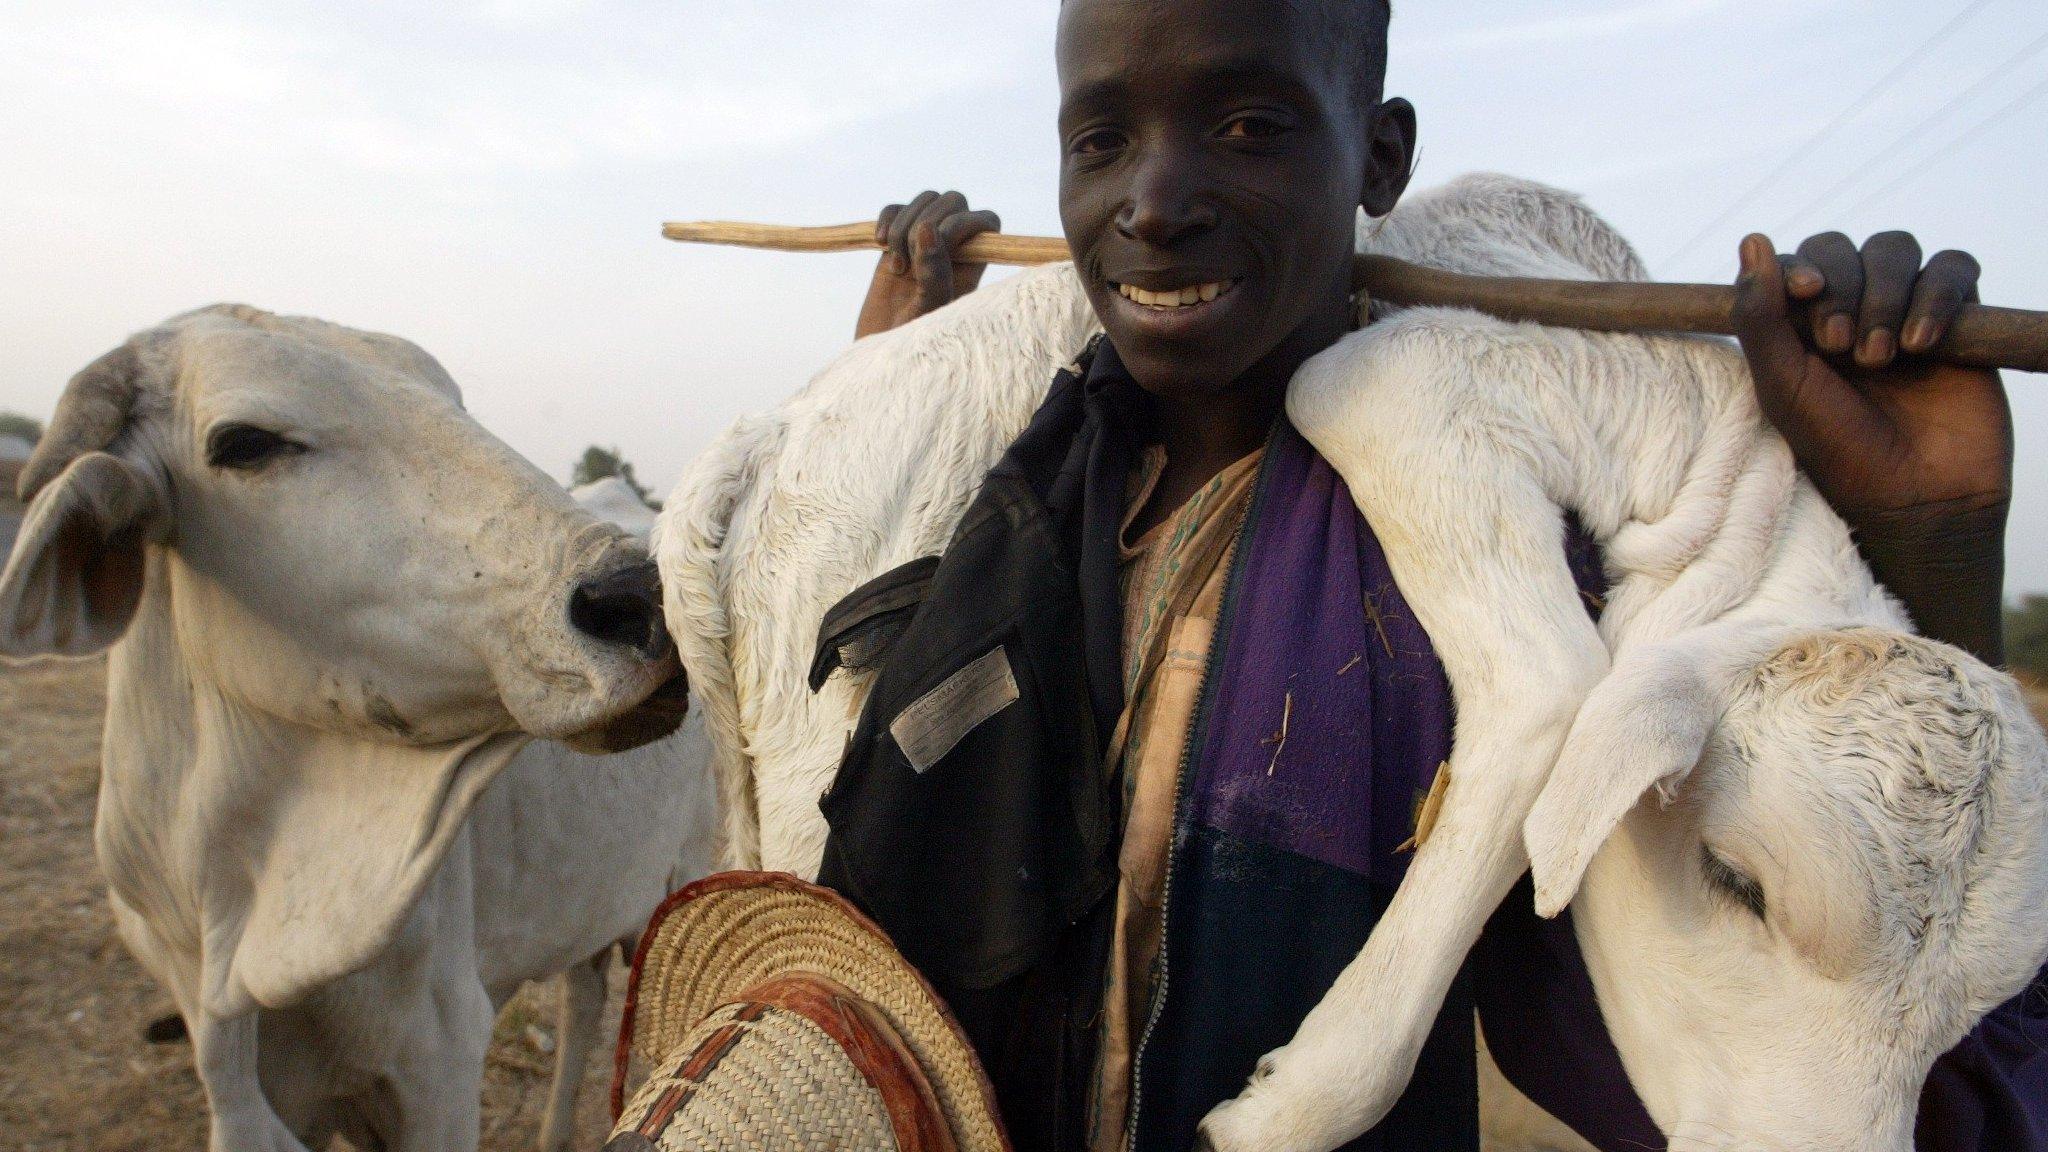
1916 455
918 272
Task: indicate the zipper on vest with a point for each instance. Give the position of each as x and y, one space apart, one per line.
1196 733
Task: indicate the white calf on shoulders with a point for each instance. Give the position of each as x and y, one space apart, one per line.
1832 840
335 607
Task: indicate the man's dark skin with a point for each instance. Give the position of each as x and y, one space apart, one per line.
918 273
1225 140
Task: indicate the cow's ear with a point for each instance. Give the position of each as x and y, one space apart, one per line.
75 576
1645 726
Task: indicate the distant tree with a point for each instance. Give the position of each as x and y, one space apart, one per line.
2026 637
15 424
598 463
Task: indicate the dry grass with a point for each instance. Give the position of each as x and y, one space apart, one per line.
75 1073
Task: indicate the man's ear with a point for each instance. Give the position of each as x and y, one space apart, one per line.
1389 155
1643 727
75 576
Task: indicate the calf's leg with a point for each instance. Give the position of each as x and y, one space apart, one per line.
1477 547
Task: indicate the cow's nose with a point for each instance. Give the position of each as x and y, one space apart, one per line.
622 607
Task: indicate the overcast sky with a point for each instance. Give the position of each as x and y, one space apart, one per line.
487 178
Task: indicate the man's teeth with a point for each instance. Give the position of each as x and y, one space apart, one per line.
1179 297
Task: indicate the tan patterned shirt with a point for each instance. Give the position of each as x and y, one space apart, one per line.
1171 581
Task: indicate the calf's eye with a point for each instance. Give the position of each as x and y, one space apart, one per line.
245 446
1724 878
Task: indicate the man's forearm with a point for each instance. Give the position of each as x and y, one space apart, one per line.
1947 566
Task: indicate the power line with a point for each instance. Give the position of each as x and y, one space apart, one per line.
1954 145
1912 135
1856 107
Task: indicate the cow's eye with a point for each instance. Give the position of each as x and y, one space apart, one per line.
1726 879
245 446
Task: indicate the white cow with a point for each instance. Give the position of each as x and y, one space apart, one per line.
336 607
615 500
1876 798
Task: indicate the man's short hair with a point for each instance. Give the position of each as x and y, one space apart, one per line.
1357 31
1358 36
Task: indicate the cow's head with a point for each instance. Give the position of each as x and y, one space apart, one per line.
343 546
1838 869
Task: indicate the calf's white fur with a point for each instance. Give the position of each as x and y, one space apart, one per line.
320 822
1463 439
1834 873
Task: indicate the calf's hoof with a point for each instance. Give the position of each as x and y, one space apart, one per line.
1248 1123
1297 1101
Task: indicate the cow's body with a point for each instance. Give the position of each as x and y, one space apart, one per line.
564 855
335 609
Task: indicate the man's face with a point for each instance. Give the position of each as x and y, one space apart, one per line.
1213 164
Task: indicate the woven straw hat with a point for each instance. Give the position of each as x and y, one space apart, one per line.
780 1019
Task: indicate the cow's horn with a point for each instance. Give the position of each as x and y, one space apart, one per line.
92 411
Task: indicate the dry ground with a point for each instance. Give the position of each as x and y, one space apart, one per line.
75 1073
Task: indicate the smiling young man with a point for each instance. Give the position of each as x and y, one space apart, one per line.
1126 908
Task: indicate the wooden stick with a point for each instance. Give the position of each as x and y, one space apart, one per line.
987 248
1980 337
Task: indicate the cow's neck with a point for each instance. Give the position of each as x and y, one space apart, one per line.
169 767
310 848
146 758
182 762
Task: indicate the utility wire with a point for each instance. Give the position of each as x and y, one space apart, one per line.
1913 135
1955 144
1939 37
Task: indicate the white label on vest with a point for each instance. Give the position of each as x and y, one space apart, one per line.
940 718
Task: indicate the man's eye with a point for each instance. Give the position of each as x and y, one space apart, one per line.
1099 141
245 446
1252 127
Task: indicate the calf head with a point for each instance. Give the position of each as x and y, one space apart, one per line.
1838 870
341 606
345 548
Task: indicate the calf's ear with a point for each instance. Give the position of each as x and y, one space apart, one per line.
1643 727
74 578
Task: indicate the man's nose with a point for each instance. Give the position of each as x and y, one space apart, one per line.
1167 202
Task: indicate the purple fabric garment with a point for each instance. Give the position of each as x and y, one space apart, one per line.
1340 663
1317 732
1991 1091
